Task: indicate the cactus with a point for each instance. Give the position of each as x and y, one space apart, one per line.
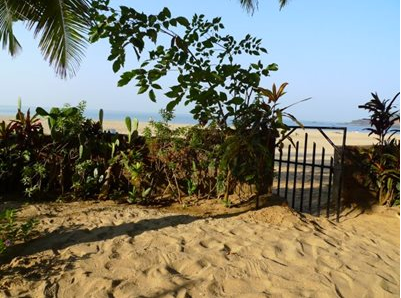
132 127
101 118
135 124
19 113
114 144
81 151
128 123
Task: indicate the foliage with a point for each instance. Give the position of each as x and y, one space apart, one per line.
204 59
32 178
65 123
86 180
208 77
20 141
383 117
11 232
132 128
239 120
62 26
251 5
383 159
164 164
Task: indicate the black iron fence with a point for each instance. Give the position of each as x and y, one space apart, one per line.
310 182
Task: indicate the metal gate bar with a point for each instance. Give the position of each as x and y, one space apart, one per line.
333 169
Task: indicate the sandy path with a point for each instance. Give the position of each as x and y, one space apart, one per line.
109 250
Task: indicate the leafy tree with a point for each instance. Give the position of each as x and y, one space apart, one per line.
62 25
202 58
203 61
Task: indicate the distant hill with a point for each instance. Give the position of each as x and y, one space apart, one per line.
365 122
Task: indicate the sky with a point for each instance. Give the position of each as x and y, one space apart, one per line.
336 52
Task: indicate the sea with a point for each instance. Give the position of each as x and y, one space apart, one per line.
178 119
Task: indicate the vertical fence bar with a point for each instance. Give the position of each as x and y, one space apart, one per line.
341 175
333 190
303 172
329 190
288 172
279 172
295 174
312 176
319 199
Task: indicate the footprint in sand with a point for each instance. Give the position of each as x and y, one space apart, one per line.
211 243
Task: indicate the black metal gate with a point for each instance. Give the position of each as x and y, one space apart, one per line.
310 182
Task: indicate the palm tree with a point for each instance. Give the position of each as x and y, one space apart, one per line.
61 24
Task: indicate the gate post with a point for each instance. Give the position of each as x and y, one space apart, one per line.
266 187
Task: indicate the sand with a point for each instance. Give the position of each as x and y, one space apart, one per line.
91 249
353 138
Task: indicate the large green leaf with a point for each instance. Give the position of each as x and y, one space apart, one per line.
61 24
7 38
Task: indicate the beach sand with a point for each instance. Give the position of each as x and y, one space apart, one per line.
89 249
353 138
105 249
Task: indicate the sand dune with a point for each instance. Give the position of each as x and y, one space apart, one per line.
109 250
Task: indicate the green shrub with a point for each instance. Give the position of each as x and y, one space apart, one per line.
383 159
11 232
20 143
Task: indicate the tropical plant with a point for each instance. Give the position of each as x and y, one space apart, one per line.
20 143
87 179
132 128
11 232
26 128
64 123
136 196
383 159
32 178
383 116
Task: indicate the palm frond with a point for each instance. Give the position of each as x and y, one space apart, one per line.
249 5
295 103
252 5
7 37
283 3
62 26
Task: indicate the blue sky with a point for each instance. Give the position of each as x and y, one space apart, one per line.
336 52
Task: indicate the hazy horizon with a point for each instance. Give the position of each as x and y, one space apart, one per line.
116 115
